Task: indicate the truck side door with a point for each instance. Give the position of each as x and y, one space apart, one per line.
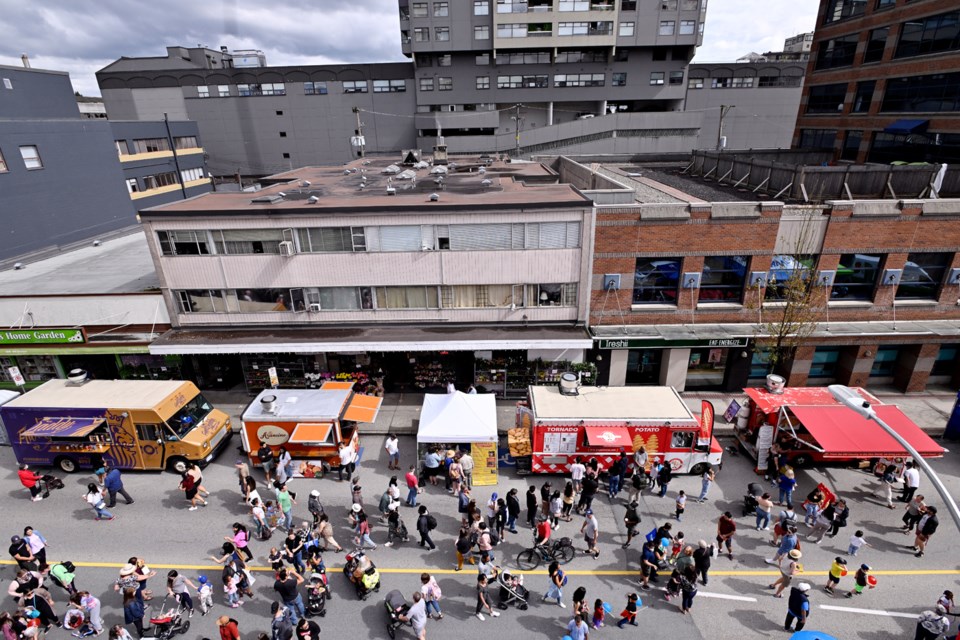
150 444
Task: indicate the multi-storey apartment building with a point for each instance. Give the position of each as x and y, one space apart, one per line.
884 82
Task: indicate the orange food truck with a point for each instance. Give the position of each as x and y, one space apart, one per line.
556 424
810 427
310 423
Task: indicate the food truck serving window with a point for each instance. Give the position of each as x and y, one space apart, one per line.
312 433
608 437
190 415
63 428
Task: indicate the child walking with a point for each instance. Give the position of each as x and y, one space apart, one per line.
837 570
681 504
856 543
860 581
205 595
230 589
629 613
598 613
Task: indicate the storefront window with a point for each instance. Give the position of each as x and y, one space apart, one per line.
787 272
856 276
824 363
32 368
655 281
922 275
723 278
946 361
407 298
706 368
885 361
643 366
760 364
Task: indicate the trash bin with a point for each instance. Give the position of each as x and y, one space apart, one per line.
952 431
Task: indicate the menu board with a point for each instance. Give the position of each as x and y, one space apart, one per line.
485 462
559 442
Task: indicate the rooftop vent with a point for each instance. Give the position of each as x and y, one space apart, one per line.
569 384
313 199
486 182
434 197
305 183
268 199
775 383
77 377
269 404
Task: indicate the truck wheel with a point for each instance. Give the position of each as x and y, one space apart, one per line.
66 464
177 465
800 460
699 469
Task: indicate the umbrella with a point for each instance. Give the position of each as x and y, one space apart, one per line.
812 635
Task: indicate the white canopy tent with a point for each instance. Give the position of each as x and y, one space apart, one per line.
458 417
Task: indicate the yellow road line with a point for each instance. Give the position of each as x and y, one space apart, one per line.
537 572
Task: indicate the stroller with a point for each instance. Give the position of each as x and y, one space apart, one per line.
76 621
169 622
317 596
361 571
512 591
396 606
51 482
754 491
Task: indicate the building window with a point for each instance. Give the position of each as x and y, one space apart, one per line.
779 81
838 52
885 4
856 276
626 29
482 60
574 5
523 82
332 239
159 180
922 275
723 278
885 361
183 243
481 32
31 157
186 142
933 34
676 77
132 185
355 86
824 364
655 281
442 34
223 90
203 91
786 273
407 298
695 83
279 113
444 60
628 5
192 175
512 30
389 86
851 145
573 28
841 9
151 145
286 156
827 98
688 27
732 83
935 92
876 43
266 89
266 300
418 10
426 84
483 82
657 77
205 301
946 361
618 79
421 34
121 146
817 138
315 88
481 7
527 57
579 80
667 27
863 96
283 134
445 84
551 295
441 9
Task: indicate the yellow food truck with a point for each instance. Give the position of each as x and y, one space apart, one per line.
128 424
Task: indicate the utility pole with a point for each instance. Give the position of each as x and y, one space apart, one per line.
358 140
518 120
724 108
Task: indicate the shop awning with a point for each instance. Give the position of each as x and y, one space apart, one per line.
905 127
363 408
311 433
842 433
63 428
608 437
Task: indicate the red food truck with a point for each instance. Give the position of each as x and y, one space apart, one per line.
561 423
310 423
810 426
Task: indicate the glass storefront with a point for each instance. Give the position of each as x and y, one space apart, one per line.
706 368
643 366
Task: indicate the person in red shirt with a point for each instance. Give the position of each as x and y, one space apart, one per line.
726 528
228 628
543 532
32 480
413 484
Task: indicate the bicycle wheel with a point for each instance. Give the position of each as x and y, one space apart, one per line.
564 553
528 560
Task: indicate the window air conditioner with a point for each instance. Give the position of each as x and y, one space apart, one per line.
314 307
287 248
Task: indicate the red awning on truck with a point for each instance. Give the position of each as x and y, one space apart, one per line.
608 437
842 433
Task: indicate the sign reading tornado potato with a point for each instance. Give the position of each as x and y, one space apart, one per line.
484 462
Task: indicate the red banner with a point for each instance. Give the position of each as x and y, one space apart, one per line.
706 420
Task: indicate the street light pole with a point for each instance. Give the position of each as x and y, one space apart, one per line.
853 400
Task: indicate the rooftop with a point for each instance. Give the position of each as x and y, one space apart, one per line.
373 184
118 265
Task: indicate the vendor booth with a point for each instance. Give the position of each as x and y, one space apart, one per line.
464 421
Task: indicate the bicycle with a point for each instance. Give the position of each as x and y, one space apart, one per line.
561 551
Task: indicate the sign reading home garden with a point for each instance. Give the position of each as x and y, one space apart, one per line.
640 343
42 336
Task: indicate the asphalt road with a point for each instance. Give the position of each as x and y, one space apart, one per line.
736 603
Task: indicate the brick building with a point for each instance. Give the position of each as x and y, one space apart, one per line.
883 84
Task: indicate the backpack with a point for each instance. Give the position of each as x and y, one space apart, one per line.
889 478
494 538
563 577
435 590
431 522
464 501
788 519
265 533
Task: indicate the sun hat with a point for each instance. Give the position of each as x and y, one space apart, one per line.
128 570
795 554
315 493
356 508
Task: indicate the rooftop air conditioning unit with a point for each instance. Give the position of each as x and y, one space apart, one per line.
287 249
314 307
569 384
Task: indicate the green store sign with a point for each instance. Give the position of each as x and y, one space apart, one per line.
628 343
42 336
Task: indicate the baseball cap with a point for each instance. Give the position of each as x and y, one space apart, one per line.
840 560
16 539
588 512
865 567
202 579
315 493
803 586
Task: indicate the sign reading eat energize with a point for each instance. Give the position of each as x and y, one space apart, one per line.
627 343
42 336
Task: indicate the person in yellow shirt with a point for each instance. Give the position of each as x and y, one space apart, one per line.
837 569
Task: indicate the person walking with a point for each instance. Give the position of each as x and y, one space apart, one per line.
34 482
229 629
681 505
455 476
347 461
629 613
177 587
764 507
787 572
590 488
726 529
532 506
701 560
932 624
281 626
798 607
287 585
114 485
577 470
363 539
94 498
284 465
416 615
557 581
325 529
811 506
860 581
837 569
786 483
787 544
649 564
688 589
925 529
285 501
240 540
466 468
133 610
431 594
577 628
614 474
911 481
267 461
483 599
887 479
396 531
425 524
37 544
464 546
413 486
664 476
912 513
706 481
392 447
591 531
513 510
630 520
190 491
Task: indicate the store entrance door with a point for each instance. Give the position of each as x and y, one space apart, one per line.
643 366
706 368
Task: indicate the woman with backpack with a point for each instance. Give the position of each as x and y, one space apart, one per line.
240 540
557 581
431 594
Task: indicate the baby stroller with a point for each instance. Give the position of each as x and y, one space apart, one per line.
169 622
396 606
76 621
361 571
512 591
51 482
316 596
754 491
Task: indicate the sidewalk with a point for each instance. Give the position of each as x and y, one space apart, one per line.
400 412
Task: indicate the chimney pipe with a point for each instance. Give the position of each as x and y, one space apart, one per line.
25 60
